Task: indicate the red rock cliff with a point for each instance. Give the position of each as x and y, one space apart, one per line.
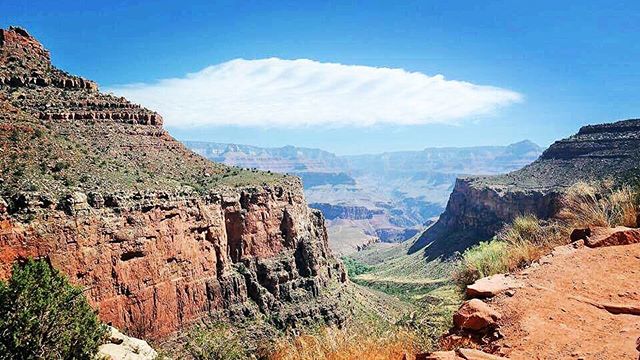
159 236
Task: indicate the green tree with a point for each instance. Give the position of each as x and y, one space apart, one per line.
42 316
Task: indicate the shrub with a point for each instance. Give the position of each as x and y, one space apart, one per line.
60 165
483 259
42 316
598 204
214 342
354 267
519 243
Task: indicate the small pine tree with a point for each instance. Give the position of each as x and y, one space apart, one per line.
42 316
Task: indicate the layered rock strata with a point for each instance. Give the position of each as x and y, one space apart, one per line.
159 236
479 206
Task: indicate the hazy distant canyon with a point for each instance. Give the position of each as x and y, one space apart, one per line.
386 197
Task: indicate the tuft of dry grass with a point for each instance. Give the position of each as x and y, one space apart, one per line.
598 204
331 343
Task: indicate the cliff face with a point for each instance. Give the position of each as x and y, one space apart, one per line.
158 235
479 206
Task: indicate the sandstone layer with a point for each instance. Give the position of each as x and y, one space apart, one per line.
159 236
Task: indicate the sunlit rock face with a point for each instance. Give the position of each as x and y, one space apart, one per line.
159 236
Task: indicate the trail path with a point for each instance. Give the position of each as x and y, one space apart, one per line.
584 304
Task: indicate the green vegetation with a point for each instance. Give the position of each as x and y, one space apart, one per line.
84 157
42 316
486 258
354 267
425 289
215 342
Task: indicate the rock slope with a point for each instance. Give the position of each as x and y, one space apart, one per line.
159 236
479 206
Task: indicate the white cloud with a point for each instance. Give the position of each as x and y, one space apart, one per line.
287 93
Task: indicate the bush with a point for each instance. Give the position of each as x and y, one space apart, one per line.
214 342
518 244
599 204
483 259
42 316
354 267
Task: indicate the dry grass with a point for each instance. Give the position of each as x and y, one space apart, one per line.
598 204
339 344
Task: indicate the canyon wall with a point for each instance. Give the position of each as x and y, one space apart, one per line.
479 206
159 236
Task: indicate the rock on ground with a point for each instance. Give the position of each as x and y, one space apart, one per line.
475 315
492 285
601 236
122 347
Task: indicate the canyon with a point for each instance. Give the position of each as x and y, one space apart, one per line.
159 236
388 197
165 236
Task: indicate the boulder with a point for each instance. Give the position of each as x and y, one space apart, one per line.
475 315
122 347
601 236
75 203
492 285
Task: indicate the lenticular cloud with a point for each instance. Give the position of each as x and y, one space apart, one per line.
287 93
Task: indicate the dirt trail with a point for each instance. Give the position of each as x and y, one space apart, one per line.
583 304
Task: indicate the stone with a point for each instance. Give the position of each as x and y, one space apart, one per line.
602 236
122 347
475 315
580 234
473 354
76 203
492 285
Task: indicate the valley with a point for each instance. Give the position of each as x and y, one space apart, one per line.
388 197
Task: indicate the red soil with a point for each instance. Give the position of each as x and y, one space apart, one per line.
567 308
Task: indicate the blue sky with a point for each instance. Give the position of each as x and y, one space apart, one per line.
570 63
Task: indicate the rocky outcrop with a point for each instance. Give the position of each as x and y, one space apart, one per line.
159 236
30 64
460 354
603 236
122 347
159 261
27 74
479 206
